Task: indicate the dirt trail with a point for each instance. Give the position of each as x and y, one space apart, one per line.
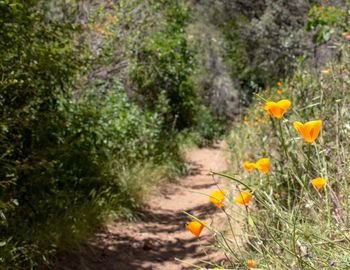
155 242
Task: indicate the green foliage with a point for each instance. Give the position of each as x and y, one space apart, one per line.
162 65
72 151
154 56
92 102
263 40
120 127
325 20
39 61
207 127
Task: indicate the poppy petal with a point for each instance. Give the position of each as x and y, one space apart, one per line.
217 198
263 165
302 130
243 198
195 227
285 104
319 182
310 130
315 129
248 166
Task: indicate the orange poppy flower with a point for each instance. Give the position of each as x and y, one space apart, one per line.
310 130
279 84
318 182
277 109
251 263
243 198
195 227
217 198
248 166
326 71
263 165
280 91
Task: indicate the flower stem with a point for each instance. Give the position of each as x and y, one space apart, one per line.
309 159
283 144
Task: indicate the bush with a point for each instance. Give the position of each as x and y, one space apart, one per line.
39 62
264 39
163 63
92 101
69 156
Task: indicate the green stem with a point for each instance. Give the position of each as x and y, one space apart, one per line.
309 159
232 178
232 231
283 144
263 99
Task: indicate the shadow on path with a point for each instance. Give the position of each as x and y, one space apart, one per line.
160 237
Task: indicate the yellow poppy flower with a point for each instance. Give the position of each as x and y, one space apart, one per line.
326 71
318 182
277 109
310 130
195 227
251 263
243 198
217 198
263 165
279 84
248 166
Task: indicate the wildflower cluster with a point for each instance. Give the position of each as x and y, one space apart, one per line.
290 188
262 165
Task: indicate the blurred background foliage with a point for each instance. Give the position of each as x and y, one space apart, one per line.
96 98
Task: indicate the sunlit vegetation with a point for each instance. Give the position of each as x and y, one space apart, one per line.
93 99
293 204
97 99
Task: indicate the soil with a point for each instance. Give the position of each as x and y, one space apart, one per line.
161 241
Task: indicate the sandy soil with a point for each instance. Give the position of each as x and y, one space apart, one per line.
158 241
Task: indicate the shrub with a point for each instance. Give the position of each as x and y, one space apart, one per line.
66 153
39 61
163 63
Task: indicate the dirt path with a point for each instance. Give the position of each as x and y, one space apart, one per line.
155 243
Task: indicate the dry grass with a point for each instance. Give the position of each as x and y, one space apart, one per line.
290 224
